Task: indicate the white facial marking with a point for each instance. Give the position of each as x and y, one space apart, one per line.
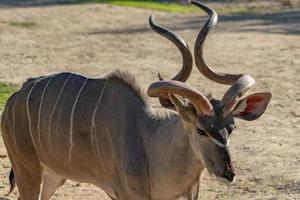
54 107
224 180
93 127
71 120
220 144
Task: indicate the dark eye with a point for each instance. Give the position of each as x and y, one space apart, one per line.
201 132
230 128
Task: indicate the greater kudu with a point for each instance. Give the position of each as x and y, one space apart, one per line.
103 131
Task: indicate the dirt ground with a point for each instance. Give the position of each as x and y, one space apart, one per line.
94 39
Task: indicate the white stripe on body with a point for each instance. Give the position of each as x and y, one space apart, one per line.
41 187
71 120
39 115
93 127
28 112
54 107
14 123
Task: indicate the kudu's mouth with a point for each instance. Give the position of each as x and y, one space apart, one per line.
229 175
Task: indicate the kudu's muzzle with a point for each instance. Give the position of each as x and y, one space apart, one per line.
229 173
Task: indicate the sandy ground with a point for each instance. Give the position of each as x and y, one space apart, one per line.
94 39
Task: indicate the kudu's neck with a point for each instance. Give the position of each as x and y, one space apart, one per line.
171 157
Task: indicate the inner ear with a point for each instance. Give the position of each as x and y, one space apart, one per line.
252 107
185 109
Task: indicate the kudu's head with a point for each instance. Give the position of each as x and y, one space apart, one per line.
210 122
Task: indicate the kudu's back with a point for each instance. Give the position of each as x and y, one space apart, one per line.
78 128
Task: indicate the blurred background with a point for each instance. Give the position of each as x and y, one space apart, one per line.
229 6
92 37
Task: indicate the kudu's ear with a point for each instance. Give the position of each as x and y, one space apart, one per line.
252 107
183 109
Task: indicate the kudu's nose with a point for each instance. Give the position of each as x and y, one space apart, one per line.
229 175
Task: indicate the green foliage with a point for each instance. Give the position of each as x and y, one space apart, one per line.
149 4
25 24
5 92
235 9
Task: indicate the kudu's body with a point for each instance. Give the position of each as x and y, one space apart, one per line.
99 131
103 131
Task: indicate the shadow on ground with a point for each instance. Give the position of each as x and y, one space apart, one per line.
31 3
277 23
287 22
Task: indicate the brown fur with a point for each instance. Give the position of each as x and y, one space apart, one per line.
129 79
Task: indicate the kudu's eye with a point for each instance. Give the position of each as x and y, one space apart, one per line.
230 128
201 132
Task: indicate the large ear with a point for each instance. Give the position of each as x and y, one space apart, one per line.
183 109
252 107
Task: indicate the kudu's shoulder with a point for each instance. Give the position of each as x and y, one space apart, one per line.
128 79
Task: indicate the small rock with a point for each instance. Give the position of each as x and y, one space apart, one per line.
3 156
294 114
